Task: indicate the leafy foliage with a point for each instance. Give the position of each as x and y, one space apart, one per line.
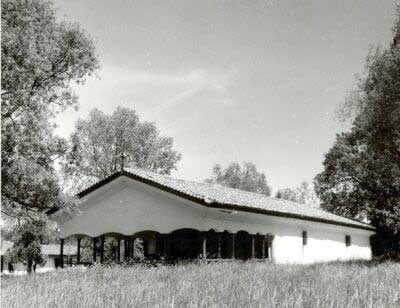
26 248
99 141
40 58
361 176
246 178
303 194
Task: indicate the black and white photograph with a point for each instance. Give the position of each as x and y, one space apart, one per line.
200 153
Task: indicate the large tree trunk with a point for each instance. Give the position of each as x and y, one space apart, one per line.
385 243
29 266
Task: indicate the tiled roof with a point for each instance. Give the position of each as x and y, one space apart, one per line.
224 197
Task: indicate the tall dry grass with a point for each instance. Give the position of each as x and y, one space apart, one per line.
213 285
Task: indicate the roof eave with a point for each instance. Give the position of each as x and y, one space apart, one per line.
201 201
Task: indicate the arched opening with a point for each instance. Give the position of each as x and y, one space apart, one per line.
182 244
226 245
138 249
185 244
112 248
78 249
105 248
242 245
142 245
259 245
212 243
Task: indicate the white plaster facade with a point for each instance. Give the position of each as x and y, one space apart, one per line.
127 206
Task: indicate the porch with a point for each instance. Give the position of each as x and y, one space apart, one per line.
178 245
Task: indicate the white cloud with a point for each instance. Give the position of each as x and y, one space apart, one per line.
150 93
194 78
176 88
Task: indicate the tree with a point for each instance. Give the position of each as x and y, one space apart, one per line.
99 141
303 194
287 194
246 178
26 248
40 59
361 176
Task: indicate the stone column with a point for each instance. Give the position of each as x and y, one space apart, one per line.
271 246
102 249
233 246
94 249
269 251
253 246
78 252
132 247
219 245
270 239
119 250
204 246
263 248
62 252
125 249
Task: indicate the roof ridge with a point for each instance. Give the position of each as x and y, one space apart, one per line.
297 204
215 194
206 183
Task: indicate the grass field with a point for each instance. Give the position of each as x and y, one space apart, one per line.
248 284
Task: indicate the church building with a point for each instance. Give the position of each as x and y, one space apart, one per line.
177 220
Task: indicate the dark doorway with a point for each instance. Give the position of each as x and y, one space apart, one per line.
212 238
259 244
242 245
226 245
185 244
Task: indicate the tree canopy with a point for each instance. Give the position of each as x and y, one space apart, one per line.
27 238
99 141
41 57
303 194
361 176
245 177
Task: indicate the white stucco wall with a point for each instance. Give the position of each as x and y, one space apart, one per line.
325 243
50 263
127 206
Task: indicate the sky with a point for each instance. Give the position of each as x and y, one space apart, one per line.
256 81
